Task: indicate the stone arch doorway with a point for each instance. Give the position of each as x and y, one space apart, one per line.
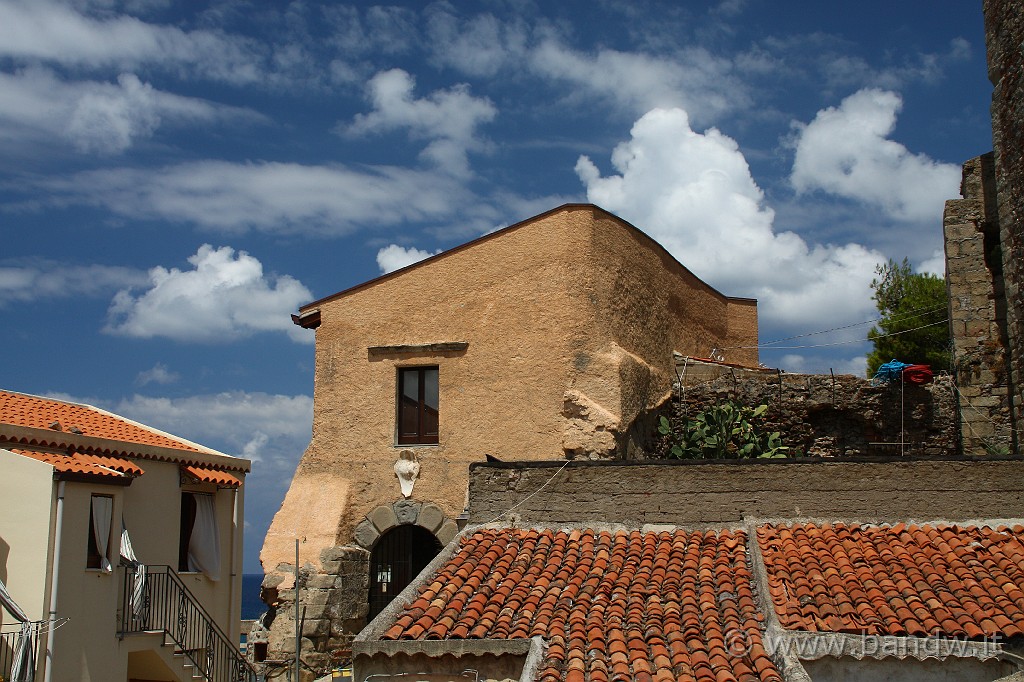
396 559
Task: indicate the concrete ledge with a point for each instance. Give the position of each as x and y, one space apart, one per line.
780 461
443 647
715 492
494 659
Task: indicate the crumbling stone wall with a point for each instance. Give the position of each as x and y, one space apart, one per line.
332 608
1004 35
821 415
977 310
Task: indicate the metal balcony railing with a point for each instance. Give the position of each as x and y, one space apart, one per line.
158 601
9 642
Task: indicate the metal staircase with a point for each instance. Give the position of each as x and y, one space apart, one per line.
156 600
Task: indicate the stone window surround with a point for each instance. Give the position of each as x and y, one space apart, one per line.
426 515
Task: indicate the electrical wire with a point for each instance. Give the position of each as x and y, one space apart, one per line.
980 413
922 312
842 343
524 500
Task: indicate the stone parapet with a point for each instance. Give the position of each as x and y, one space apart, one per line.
721 493
824 415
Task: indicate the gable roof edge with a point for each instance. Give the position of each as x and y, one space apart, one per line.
309 315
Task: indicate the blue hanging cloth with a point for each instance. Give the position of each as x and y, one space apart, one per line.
890 371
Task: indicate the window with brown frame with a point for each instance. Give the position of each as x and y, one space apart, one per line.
417 405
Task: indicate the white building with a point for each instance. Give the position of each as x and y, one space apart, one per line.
84 491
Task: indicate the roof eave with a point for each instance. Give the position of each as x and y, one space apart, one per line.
27 436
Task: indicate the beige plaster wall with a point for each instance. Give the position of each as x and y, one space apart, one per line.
571 301
152 512
84 647
26 488
87 647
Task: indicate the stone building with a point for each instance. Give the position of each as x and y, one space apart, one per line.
549 339
984 237
1004 35
977 311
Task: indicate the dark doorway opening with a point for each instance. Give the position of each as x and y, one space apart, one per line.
398 557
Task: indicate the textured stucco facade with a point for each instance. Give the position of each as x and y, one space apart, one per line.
553 338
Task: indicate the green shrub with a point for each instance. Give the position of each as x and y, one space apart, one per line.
725 431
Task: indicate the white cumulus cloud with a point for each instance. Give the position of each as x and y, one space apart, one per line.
236 422
694 194
224 297
110 121
846 151
447 118
394 257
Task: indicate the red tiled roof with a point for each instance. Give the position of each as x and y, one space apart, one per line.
203 474
40 413
641 606
905 580
82 463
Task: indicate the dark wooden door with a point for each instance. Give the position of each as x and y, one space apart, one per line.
398 557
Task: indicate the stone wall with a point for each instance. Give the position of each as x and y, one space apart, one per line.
823 415
1004 33
977 310
332 609
721 493
333 592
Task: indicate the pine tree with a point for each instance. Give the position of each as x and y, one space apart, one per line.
913 308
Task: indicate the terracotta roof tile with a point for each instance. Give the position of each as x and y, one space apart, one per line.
202 474
900 580
82 463
41 413
612 606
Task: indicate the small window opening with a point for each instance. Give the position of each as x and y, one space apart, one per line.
418 405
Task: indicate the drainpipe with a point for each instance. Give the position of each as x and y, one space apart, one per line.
234 619
54 575
298 623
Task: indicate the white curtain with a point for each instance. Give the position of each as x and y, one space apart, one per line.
24 665
137 599
204 544
102 509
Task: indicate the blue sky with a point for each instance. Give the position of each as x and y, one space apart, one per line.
177 178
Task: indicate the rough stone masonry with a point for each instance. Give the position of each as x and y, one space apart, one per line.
1004 35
